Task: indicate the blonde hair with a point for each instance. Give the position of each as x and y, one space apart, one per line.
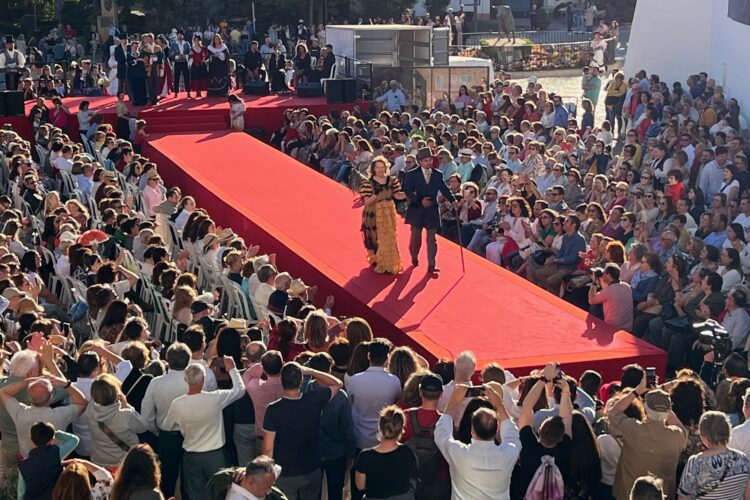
105 389
391 422
183 297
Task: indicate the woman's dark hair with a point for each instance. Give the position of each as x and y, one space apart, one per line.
523 205
739 231
116 314
734 259
229 343
463 433
107 273
688 400
586 469
139 471
446 369
287 330
28 261
700 198
737 391
359 361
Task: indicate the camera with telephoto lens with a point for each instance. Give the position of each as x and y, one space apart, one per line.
712 334
597 272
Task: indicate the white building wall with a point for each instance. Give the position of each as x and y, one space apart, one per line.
729 58
671 38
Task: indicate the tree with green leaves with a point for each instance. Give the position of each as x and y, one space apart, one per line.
436 7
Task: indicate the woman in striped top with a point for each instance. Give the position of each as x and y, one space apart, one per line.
719 472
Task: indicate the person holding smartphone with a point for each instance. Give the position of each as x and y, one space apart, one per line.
615 296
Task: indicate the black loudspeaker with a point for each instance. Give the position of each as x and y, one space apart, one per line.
309 90
13 103
257 87
339 90
2 104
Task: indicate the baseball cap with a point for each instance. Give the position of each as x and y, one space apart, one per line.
658 400
431 382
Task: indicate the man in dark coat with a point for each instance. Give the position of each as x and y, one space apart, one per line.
121 56
421 186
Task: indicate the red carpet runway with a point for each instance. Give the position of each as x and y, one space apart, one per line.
179 115
312 224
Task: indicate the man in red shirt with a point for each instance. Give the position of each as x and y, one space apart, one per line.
419 431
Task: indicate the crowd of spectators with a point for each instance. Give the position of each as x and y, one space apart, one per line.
122 380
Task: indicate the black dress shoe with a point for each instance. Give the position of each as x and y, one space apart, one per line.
433 270
415 263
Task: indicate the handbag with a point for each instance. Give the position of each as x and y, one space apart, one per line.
113 437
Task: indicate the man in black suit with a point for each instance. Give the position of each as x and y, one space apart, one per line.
121 56
421 186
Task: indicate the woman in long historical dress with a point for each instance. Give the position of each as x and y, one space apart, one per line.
112 63
218 68
379 217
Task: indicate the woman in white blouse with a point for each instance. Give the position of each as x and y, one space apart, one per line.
730 269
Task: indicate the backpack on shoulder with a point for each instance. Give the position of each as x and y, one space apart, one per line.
547 483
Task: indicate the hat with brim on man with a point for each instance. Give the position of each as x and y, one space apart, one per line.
27 305
465 152
424 153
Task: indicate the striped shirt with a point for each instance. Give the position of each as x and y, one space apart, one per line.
722 476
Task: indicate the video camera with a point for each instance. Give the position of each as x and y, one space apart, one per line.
712 334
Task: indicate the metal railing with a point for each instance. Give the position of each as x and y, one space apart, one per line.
549 50
349 67
536 37
428 84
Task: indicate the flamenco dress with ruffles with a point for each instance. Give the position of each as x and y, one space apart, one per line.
379 225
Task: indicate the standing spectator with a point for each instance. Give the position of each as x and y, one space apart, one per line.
291 427
464 368
419 434
394 99
387 469
481 469
555 433
263 385
160 394
138 476
113 423
740 437
651 446
370 391
336 439
198 415
40 394
717 472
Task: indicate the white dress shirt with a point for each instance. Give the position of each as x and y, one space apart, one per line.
480 470
739 439
199 416
160 394
237 492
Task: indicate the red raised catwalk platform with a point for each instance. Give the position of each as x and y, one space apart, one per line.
312 224
180 114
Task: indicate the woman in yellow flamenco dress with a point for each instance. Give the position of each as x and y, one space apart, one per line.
379 217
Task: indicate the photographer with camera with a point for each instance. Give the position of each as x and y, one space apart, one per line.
615 296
